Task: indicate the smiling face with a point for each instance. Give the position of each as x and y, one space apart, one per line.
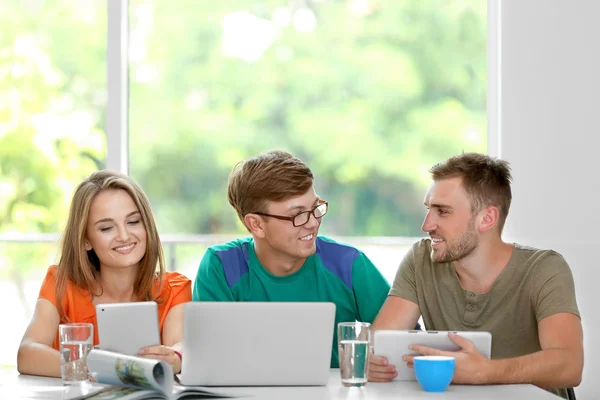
115 230
281 239
449 221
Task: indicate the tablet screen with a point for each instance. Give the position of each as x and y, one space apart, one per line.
127 327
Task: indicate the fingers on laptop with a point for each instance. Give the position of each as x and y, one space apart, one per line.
380 370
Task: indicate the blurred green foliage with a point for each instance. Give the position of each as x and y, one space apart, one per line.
52 101
370 93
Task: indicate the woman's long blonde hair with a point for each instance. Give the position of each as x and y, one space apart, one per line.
82 267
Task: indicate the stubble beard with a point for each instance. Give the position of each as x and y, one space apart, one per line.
461 248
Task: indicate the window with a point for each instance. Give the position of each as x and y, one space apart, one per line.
52 104
369 93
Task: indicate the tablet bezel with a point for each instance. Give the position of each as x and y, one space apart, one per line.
393 344
127 327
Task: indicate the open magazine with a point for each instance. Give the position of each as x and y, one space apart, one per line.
120 376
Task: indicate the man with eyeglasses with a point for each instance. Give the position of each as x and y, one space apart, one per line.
285 259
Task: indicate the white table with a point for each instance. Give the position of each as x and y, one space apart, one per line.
11 382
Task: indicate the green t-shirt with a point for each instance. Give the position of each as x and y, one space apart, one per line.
534 285
336 273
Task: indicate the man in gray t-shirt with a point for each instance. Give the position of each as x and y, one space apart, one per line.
464 277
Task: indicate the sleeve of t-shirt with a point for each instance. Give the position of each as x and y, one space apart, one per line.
48 288
405 285
210 284
181 288
369 286
553 288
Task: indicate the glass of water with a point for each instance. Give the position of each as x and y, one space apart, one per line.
76 341
354 341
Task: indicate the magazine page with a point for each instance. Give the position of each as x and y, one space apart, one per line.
111 368
126 393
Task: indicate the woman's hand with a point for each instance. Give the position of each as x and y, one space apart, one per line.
164 353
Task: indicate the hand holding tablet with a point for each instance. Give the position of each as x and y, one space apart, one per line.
394 344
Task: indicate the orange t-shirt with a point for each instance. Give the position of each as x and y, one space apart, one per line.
78 306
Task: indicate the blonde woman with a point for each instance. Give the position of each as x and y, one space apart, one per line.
110 253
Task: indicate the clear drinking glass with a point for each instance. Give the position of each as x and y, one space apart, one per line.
354 342
76 341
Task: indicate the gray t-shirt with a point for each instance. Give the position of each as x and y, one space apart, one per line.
534 284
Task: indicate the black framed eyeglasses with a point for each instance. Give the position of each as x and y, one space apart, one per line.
302 218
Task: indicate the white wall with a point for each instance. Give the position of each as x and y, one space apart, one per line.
545 110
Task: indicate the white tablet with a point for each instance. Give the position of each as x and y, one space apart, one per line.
394 344
127 327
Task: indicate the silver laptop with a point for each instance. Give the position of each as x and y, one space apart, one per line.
257 344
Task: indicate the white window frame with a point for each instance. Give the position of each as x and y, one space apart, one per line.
494 92
117 85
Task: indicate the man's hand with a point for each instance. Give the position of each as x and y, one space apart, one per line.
471 367
380 370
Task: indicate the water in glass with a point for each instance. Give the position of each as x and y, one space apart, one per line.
73 361
354 361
